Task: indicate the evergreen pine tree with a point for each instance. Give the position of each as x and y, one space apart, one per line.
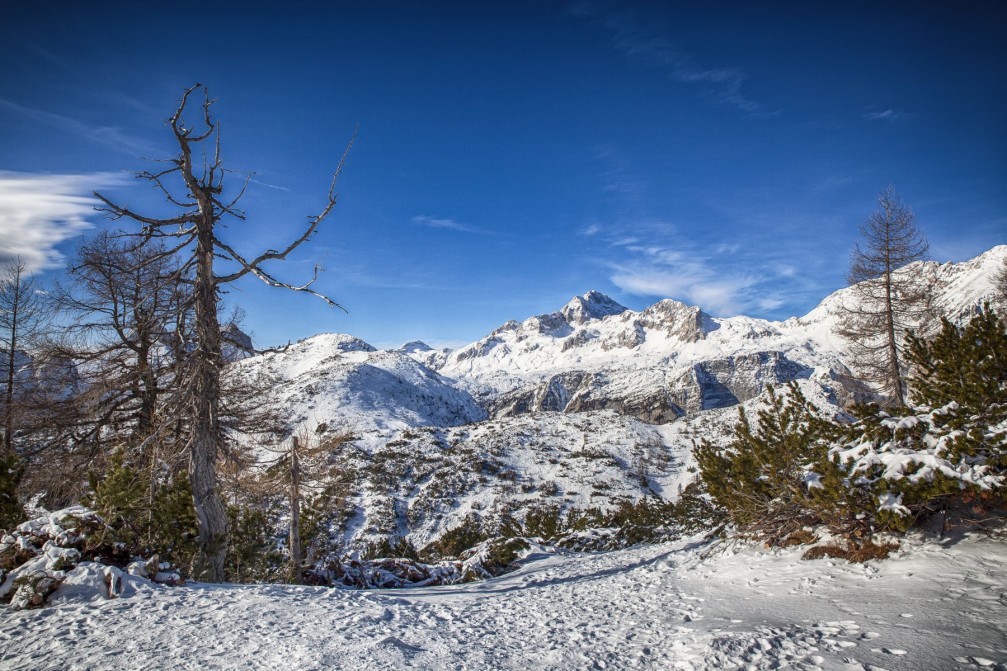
11 513
765 478
966 367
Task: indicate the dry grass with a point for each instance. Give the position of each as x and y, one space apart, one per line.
852 552
799 537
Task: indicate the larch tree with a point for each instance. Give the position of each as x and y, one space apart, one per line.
22 317
888 300
193 182
122 305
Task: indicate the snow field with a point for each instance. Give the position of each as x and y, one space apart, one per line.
657 607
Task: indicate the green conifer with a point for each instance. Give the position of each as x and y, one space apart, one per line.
11 513
765 478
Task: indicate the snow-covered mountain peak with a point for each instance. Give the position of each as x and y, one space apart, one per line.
415 346
336 342
959 289
686 322
343 381
592 305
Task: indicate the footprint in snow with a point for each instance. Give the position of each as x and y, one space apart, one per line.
400 644
978 661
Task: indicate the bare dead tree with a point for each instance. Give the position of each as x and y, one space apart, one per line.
22 318
889 301
302 464
195 185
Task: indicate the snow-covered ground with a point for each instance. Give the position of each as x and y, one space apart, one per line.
657 607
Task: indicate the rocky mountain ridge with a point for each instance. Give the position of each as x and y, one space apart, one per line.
670 358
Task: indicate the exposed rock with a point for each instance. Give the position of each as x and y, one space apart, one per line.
727 381
591 306
632 336
235 343
415 346
656 397
687 323
579 338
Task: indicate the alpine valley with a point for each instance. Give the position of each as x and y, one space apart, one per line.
586 407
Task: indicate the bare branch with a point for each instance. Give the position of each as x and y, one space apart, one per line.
271 254
269 279
117 211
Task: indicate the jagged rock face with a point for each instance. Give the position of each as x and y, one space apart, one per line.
553 324
592 305
730 380
633 335
654 396
687 323
236 344
653 404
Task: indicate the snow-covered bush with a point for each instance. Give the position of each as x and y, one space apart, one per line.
68 546
485 560
882 470
906 465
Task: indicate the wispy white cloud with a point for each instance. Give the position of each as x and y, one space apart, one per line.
109 136
722 278
438 222
39 211
885 115
686 274
267 185
642 42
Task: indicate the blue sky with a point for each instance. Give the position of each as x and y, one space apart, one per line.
512 155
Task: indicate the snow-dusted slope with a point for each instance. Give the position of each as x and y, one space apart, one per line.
341 380
418 483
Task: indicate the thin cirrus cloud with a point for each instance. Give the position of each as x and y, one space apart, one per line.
708 278
639 42
439 222
885 115
39 211
683 275
109 136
